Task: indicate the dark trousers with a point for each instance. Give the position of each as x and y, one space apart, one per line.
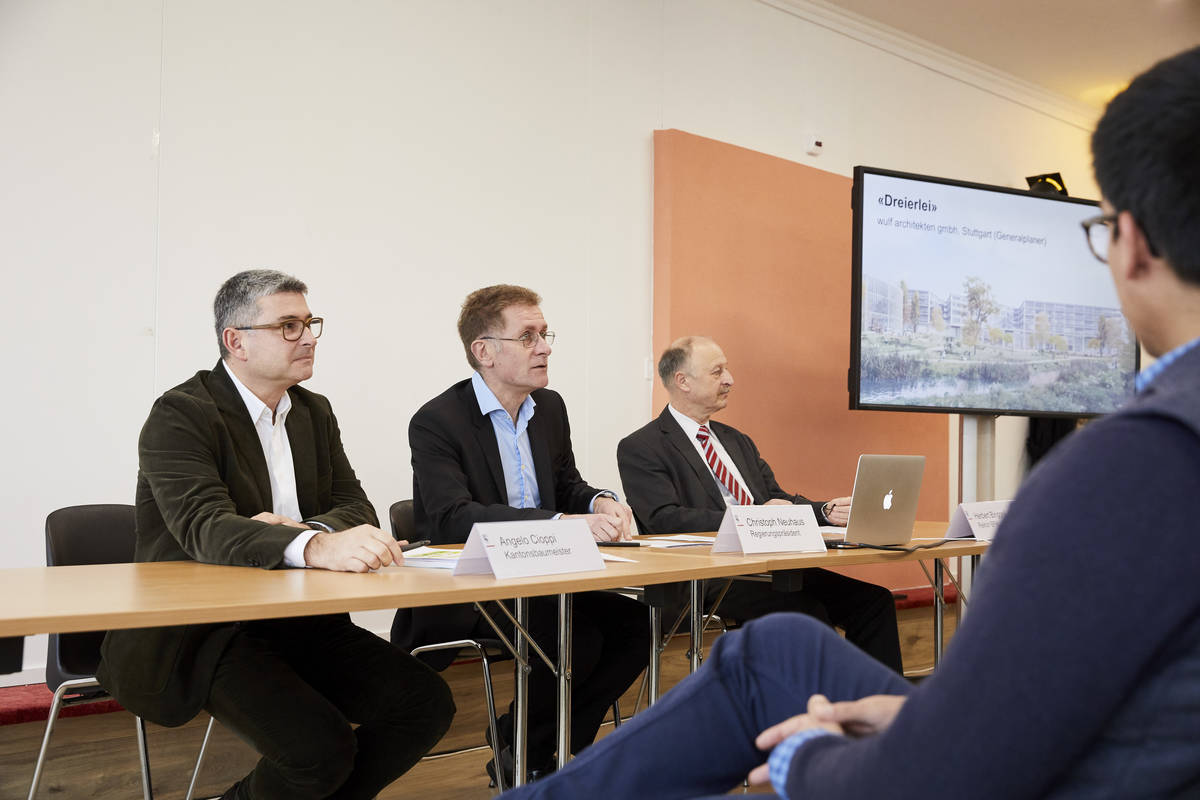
291 689
610 646
866 612
699 739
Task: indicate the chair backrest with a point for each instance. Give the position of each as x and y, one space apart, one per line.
76 535
404 524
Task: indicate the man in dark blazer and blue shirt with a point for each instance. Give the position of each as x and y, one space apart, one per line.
241 466
665 470
497 447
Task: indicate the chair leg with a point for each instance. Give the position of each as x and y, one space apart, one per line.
200 758
144 756
616 714
491 705
55 707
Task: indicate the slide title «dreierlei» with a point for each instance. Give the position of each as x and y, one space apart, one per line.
909 203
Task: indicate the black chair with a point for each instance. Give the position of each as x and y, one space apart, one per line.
95 534
404 526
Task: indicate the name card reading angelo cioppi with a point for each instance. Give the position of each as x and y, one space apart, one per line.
769 529
527 548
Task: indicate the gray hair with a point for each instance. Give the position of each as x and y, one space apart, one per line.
676 357
236 304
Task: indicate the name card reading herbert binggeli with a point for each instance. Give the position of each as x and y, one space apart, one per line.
526 548
978 520
769 529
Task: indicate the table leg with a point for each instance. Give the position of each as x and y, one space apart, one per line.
654 671
521 691
939 610
565 604
697 623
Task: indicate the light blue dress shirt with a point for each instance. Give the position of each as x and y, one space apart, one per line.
1147 376
516 456
780 761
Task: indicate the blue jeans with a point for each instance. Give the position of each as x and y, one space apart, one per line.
699 739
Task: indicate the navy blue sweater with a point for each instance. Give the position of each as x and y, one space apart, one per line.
1084 609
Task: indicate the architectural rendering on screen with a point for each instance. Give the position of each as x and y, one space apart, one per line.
987 300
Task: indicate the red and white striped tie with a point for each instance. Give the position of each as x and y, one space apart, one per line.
740 496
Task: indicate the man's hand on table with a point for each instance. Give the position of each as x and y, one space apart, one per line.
839 511
359 549
611 522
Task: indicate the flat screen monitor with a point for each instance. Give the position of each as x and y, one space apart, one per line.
978 299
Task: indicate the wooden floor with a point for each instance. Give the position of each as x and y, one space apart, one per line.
96 756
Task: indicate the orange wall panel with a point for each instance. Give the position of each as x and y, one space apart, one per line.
755 251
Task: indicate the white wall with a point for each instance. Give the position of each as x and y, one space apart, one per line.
396 155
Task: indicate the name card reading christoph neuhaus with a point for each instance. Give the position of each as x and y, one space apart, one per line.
977 519
769 529
522 549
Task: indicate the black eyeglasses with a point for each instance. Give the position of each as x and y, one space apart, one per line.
527 339
291 329
1098 231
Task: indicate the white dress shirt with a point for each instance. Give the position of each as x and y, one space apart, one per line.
690 429
272 435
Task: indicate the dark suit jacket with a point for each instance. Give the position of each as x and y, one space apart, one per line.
201 476
672 490
458 480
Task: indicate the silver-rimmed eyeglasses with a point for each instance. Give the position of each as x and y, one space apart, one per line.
527 339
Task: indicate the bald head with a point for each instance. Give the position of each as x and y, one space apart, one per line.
676 358
696 374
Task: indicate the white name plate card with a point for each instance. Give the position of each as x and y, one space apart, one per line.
527 548
977 519
769 529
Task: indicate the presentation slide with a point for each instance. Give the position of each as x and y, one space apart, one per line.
990 300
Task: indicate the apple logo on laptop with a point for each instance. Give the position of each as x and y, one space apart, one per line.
887 500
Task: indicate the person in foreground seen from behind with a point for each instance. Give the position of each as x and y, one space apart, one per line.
1077 672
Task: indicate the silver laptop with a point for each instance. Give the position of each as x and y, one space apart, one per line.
884 504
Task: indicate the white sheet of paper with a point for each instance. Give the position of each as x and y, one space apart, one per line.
681 540
431 558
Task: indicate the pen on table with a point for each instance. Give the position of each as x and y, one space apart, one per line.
619 544
404 548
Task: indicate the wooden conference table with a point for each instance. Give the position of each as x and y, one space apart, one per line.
779 563
108 596
102 597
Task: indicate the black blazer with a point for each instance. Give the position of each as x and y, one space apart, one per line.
672 490
458 480
201 476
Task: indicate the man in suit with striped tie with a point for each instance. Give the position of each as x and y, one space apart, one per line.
682 470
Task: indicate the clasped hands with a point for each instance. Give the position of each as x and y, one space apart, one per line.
862 717
612 521
359 549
